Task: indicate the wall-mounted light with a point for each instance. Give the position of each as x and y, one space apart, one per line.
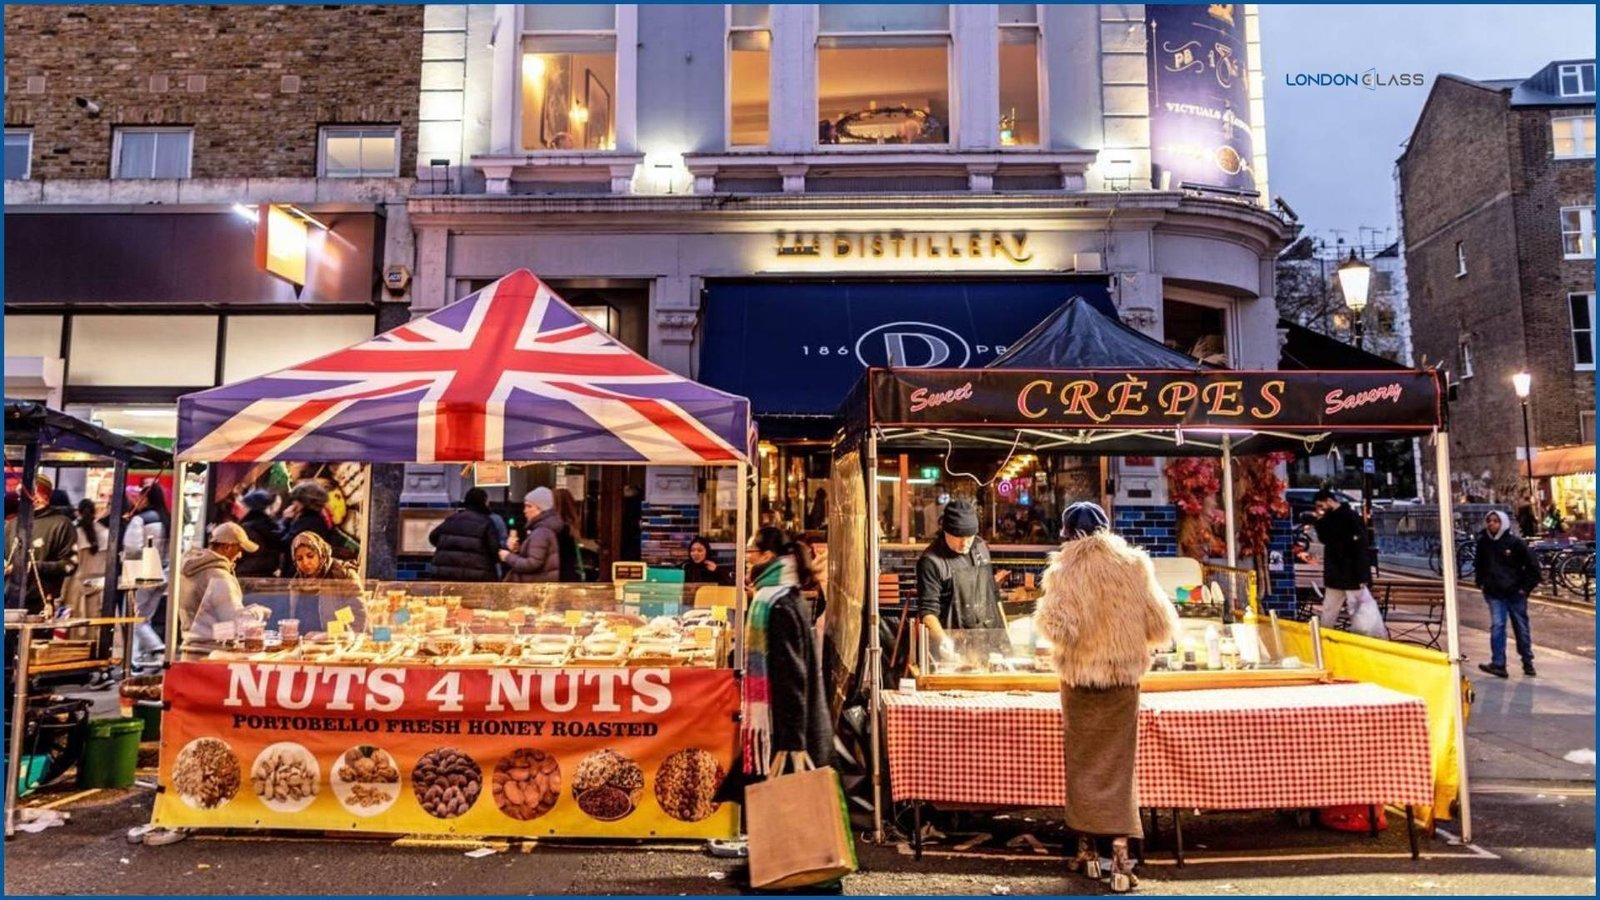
1118 174
602 316
532 67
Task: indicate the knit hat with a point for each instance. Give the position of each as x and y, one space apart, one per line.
960 518
1083 519
541 497
257 500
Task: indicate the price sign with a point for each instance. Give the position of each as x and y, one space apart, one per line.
719 613
344 615
574 618
402 616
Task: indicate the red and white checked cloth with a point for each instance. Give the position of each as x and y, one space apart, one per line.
1247 748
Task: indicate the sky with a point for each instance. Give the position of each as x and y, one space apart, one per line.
1331 150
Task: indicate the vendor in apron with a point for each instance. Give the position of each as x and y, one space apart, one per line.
956 580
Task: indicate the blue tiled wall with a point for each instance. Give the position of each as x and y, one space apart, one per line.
1155 528
665 532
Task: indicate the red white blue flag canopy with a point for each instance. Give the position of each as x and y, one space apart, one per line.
510 373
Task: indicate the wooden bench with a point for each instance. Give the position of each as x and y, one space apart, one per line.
1413 611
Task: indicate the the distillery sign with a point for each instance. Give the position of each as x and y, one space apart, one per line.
1286 401
930 248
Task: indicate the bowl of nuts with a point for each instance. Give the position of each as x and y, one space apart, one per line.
447 782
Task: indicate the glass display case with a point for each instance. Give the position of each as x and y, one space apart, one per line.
654 624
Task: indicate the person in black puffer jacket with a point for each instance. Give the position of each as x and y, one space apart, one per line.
466 547
537 558
1505 570
268 535
1346 565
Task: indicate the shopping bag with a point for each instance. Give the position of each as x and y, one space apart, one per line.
799 827
1351 818
1365 617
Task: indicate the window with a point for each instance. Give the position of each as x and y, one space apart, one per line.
1577 232
109 351
569 77
19 154
883 74
1464 360
151 152
1577 78
749 74
1197 329
1461 258
246 355
367 152
1586 426
1573 136
1582 307
1019 75
1382 282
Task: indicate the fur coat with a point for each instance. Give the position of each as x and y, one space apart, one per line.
1104 611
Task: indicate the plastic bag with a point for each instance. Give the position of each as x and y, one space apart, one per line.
1365 617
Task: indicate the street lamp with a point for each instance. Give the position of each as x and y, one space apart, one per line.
1355 278
1522 383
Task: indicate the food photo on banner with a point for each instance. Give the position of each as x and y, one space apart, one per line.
619 753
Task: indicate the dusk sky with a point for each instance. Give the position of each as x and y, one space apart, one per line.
1331 150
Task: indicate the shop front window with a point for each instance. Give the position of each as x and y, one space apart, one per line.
1019 75
1020 501
569 77
883 74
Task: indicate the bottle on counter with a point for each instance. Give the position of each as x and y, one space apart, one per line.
1230 654
1213 648
1189 651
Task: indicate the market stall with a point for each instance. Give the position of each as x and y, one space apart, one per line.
489 709
1086 384
36 436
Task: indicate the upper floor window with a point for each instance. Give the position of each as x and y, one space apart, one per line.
749 74
19 154
151 152
1577 232
569 77
883 74
1019 75
1576 79
1573 136
1582 309
365 152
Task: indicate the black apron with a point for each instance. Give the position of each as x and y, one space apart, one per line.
975 598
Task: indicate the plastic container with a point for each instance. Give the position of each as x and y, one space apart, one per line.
111 754
149 712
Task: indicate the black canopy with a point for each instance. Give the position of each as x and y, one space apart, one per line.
64 438
1079 336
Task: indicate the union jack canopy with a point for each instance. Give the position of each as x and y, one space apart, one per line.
508 373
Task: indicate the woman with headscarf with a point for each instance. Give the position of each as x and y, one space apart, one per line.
1103 611
335 581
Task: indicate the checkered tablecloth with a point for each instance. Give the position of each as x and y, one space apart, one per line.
1250 748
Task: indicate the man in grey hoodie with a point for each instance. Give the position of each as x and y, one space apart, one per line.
209 593
1506 572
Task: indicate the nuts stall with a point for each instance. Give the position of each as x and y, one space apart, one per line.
482 709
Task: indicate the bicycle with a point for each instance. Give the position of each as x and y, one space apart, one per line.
1464 556
1575 572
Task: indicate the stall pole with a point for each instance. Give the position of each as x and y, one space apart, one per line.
740 526
20 554
1227 503
366 526
870 668
1452 619
111 596
180 506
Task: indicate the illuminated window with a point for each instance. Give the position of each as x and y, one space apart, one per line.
1019 75
151 152
1577 232
19 154
883 74
569 77
1573 136
749 74
360 152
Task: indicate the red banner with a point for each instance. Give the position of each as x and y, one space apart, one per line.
624 752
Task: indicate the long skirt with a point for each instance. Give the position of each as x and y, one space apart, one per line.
1102 739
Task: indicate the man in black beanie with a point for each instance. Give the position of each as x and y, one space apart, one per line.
956 579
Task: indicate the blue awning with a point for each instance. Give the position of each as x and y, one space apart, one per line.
797 348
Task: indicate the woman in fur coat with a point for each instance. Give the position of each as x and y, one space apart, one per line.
1104 611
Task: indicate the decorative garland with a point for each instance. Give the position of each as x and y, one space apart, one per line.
1195 486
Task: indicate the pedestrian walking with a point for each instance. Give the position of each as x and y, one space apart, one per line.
1506 572
465 545
83 598
536 558
148 520
1346 565
1103 611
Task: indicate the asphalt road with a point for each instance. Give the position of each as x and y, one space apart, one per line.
1557 624
1531 843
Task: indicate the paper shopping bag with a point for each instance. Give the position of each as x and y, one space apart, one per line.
799 830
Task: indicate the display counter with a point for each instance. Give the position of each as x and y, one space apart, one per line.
489 710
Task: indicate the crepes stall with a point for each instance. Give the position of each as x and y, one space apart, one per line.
1085 384
484 709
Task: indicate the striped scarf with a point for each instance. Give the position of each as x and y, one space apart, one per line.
756 725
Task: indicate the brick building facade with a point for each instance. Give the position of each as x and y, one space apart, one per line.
1497 196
